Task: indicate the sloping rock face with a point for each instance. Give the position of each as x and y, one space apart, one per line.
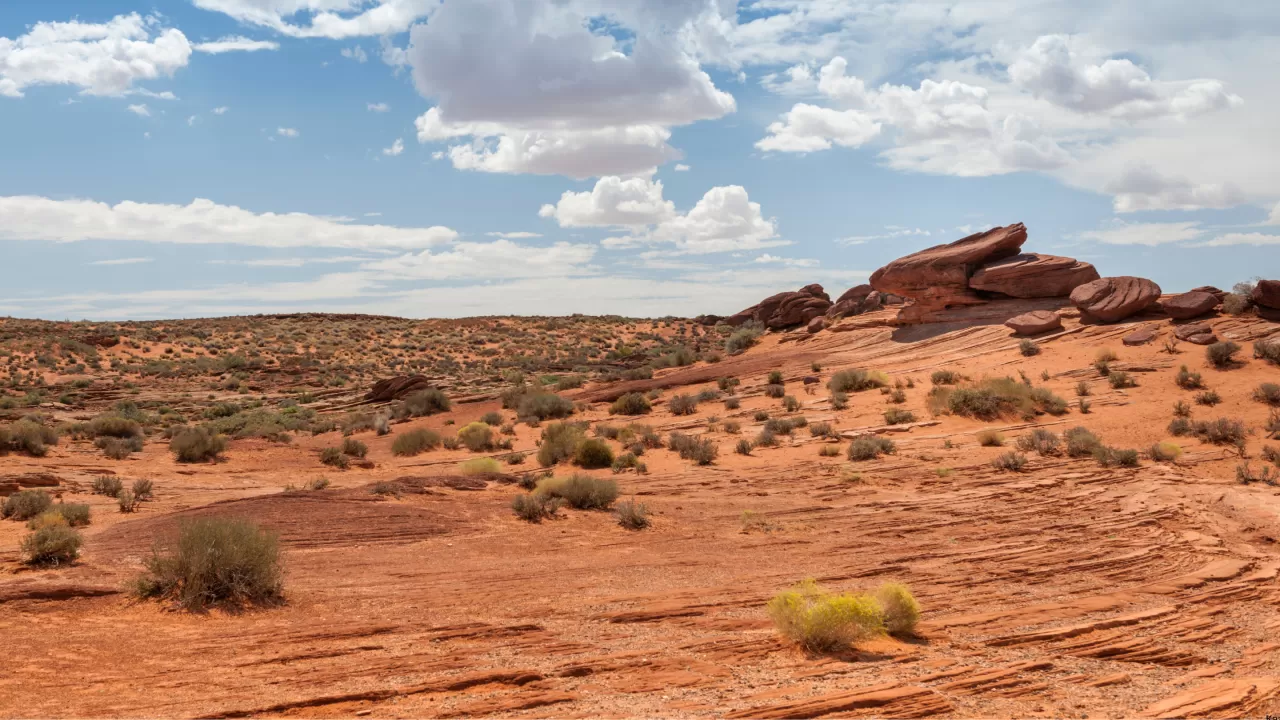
937 277
1220 294
1267 294
1115 298
1032 275
1036 321
787 309
855 301
397 388
1189 305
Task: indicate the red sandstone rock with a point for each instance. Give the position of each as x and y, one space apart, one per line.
1036 321
1220 294
1115 298
1139 337
1267 294
397 388
1189 305
1197 334
1033 275
787 309
938 277
816 325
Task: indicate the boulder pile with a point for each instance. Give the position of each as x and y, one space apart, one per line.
787 309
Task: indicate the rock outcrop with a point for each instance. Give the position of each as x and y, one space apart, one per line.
1189 304
1220 294
938 277
709 320
1034 322
1115 298
1198 334
855 301
816 325
1267 294
787 309
397 388
1032 275
1139 337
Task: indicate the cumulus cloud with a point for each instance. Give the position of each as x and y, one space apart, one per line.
613 202
1141 187
287 132
808 128
396 148
234 43
1252 238
140 110
1149 234
100 59
334 19
200 222
544 88
519 235
767 259
490 260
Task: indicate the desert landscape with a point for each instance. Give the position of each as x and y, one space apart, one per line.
1075 476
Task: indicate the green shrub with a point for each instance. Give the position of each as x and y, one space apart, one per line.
625 461
779 426
821 621
118 448
543 406
197 445
51 544
898 416
1208 397
424 402
593 453
1081 442
1120 380
415 442
630 404
480 466
582 492
533 507
899 606
559 442
30 437
1188 380
945 377
1180 425
74 514
333 456
742 339
108 485
682 404
1268 393
26 504
774 391
870 447
216 561
1108 456
1268 350
1222 431
633 515
990 438
1040 441
492 417
1222 354
476 436
354 448
857 380
112 425
1028 347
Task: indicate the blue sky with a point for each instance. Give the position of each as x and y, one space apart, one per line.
428 158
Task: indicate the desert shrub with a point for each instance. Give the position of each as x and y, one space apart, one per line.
775 377
113 425
625 461
790 404
1272 426
108 485
415 442
898 416
766 438
1268 350
857 380
118 448
1045 401
742 339
1012 461
821 621
732 427
384 488
582 492
333 457
559 442
126 501
424 402
1105 355
516 458
1268 393
1271 454
197 444
822 429
1245 474
870 447
1040 441
1188 380
897 397
1222 431
533 507
26 504
899 607
28 436
1028 347
593 453
566 382
992 398
631 404
682 404
1109 456
1084 405
839 400
732 403
760 415
990 438
1236 304
743 447
829 451
354 448
1082 389
945 377
543 406
1181 425
1080 442
648 437
774 391
1208 397
476 436
216 561
74 514
493 417
1222 354
53 543
633 515
316 484
1164 452
1181 409
779 426
480 466
1120 380
727 384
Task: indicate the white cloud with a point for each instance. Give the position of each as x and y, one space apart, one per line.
220 110
1149 234
378 107
166 95
293 262
192 120
141 110
1253 238
1274 217
613 202
334 19
123 261
1140 187
201 222
807 128
767 259
396 148
891 231
795 80
497 259
681 167
287 132
234 43
101 59
520 235
356 53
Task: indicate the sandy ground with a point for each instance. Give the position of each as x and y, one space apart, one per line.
1067 590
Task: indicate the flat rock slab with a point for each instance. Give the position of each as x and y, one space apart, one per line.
1113 299
1197 334
1189 305
1034 322
1033 275
1139 337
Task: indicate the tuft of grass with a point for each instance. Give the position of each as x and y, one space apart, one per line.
898 416
1268 393
1208 397
197 444
1028 347
631 404
945 377
480 466
354 448
1222 355
1109 456
1082 389
1121 380
990 438
415 442
582 492
870 447
533 507
1011 461
1188 380
633 515
743 447
899 607
1164 452
857 380
216 561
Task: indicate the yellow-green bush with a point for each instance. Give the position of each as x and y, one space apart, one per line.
480 466
901 611
477 436
822 621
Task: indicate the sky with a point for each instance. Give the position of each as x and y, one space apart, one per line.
449 158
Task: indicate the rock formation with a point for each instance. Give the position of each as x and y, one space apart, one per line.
1034 322
397 388
938 277
1267 294
1139 337
1189 304
787 309
1198 334
1032 275
855 301
1115 298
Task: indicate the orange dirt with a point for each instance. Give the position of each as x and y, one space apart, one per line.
1066 590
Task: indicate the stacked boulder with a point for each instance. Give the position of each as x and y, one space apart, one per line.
787 309
1190 304
855 301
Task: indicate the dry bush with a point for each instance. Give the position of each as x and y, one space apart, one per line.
857 380
1121 380
197 445
425 402
1268 393
108 485
560 442
870 447
28 436
25 504
476 436
990 438
633 515
1081 442
581 492
900 608
216 561
1268 350
480 466
1109 456
354 448
543 406
533 507
1188 380
682 404
1222 354
774 391
52 542
898 416
992 398
415 442
631 404
1208 397
1164 452
1040 441
333 457
822 621
1028 347
1011 461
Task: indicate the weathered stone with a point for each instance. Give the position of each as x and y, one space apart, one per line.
1189 305
1115 298
1034 322
786 309
938 277
1197 334
397 388
816 324
709 320
1139 337
1033 275
1220 294
855 301
1267 294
